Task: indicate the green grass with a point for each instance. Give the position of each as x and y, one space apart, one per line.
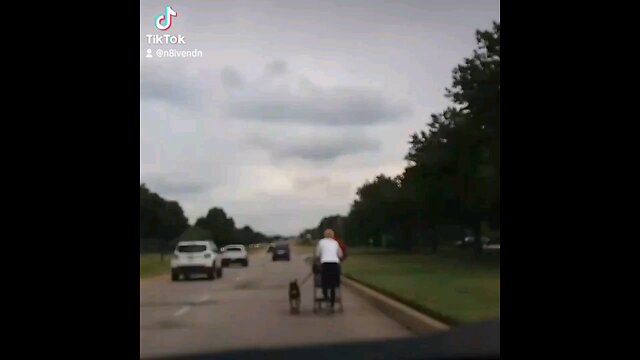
150 265
452 286
304 249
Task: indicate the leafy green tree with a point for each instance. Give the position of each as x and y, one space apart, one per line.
335 222
221 227
476 90
245 236
453 175
456 165
194 233
160 219
374 213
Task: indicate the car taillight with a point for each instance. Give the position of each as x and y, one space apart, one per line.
207 256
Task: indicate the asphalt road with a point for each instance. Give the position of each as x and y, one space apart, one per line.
249 308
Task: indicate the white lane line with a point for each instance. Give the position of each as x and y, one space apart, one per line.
203 299
182 311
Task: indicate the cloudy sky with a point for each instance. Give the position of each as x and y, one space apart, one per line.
294 104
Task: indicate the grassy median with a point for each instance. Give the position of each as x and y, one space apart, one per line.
150 265
452 286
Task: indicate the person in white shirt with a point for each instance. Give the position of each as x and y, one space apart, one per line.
329 252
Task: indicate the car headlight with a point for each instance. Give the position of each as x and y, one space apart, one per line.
175 257
207 256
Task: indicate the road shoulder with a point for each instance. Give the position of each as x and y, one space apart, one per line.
412 319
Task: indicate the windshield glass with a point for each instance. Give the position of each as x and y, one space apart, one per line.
191 248
267 126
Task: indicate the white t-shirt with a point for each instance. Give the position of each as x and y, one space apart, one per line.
328 250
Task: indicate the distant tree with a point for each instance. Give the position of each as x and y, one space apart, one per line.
160 219
261 238
221 227
245 236
372 214
335 222
174 222
195 233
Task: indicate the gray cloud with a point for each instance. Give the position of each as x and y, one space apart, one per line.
172 188
278 214
231 79
338 107
307 182
173 84
278 67
315 148
324 184
296 99
164 84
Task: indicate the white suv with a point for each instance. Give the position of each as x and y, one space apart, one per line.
196 257
235 253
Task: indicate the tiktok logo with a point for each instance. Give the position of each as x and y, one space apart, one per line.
163 21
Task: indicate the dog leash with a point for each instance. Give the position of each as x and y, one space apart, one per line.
306 278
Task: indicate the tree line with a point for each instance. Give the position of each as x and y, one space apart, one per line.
453 171
162 222
160 218
223 231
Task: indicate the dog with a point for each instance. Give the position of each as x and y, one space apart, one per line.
294 297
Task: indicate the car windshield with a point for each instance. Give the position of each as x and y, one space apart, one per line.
233 249
191 248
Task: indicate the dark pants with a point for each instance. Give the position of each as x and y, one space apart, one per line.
330 280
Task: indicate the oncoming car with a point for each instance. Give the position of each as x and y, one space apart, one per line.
196 257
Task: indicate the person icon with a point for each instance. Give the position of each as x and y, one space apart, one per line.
149 54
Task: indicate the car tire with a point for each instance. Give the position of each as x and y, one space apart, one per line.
246 263
175 276
219 272
211 274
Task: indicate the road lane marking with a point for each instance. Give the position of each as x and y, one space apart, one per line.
182 311
203 299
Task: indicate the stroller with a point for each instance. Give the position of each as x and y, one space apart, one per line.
318 298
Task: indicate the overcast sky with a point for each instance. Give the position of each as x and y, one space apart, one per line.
294 104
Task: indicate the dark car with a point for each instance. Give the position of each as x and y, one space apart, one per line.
281 252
